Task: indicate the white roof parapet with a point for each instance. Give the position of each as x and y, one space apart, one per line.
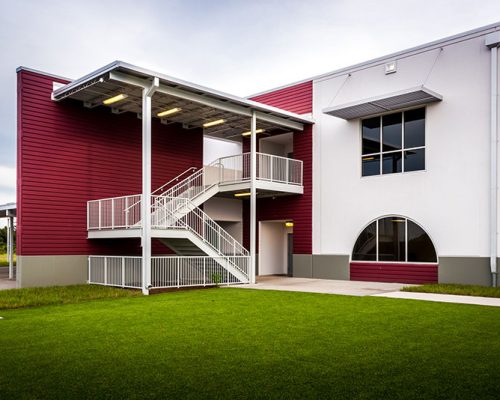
411 97
449 40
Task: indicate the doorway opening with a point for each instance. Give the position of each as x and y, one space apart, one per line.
275 248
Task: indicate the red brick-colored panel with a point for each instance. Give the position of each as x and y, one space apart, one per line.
68 154
394 272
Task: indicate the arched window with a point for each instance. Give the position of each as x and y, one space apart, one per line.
394 239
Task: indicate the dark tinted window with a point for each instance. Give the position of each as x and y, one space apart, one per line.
399 148
366 247
371 165
415 160
391 132
391 163
391 239
371 135
415 128
393 242
420 247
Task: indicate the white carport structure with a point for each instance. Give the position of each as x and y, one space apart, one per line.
9 211
127 88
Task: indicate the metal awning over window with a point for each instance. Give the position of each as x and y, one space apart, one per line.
381 104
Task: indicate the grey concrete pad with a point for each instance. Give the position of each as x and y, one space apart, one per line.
328 286
5 282
444 298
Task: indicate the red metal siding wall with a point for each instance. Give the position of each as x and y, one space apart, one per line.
297 98
68 154
391 272
297 208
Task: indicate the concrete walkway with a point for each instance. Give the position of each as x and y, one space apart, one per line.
351 288
5 282
443 298
356 288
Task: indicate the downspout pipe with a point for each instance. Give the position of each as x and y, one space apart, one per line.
492 41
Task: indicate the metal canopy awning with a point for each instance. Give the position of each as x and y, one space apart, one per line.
7 210
416 96
198 104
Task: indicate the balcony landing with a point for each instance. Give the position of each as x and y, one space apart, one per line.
264 188
117 232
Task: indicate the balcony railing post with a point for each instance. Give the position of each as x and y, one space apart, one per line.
99 213
123 271
287 170
301 179
89 280
113 213
105 270
204 271
178 273
271 176
126 212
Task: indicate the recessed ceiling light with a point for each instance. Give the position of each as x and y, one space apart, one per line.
168 112
213 123
115 99
244 194
248 133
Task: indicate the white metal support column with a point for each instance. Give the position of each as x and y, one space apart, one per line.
10 244
493 41
253 196
147 94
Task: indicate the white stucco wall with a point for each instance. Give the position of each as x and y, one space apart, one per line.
450 198
215 148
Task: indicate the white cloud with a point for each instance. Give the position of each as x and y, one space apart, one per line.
7 184
7 177
240 47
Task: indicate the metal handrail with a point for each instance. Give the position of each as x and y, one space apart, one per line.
175 179
166 184
207 221
228 169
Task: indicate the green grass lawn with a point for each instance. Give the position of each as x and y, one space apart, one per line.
463 290
241 343
4 262
42 296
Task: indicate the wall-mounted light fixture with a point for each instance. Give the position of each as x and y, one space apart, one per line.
391 67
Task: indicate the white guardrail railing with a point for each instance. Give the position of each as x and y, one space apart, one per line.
114 213
269 168
115 271
125 212
166 271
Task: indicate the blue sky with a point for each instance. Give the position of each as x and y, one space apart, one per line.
241 47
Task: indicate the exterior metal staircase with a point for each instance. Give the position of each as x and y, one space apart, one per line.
184 220
203 247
